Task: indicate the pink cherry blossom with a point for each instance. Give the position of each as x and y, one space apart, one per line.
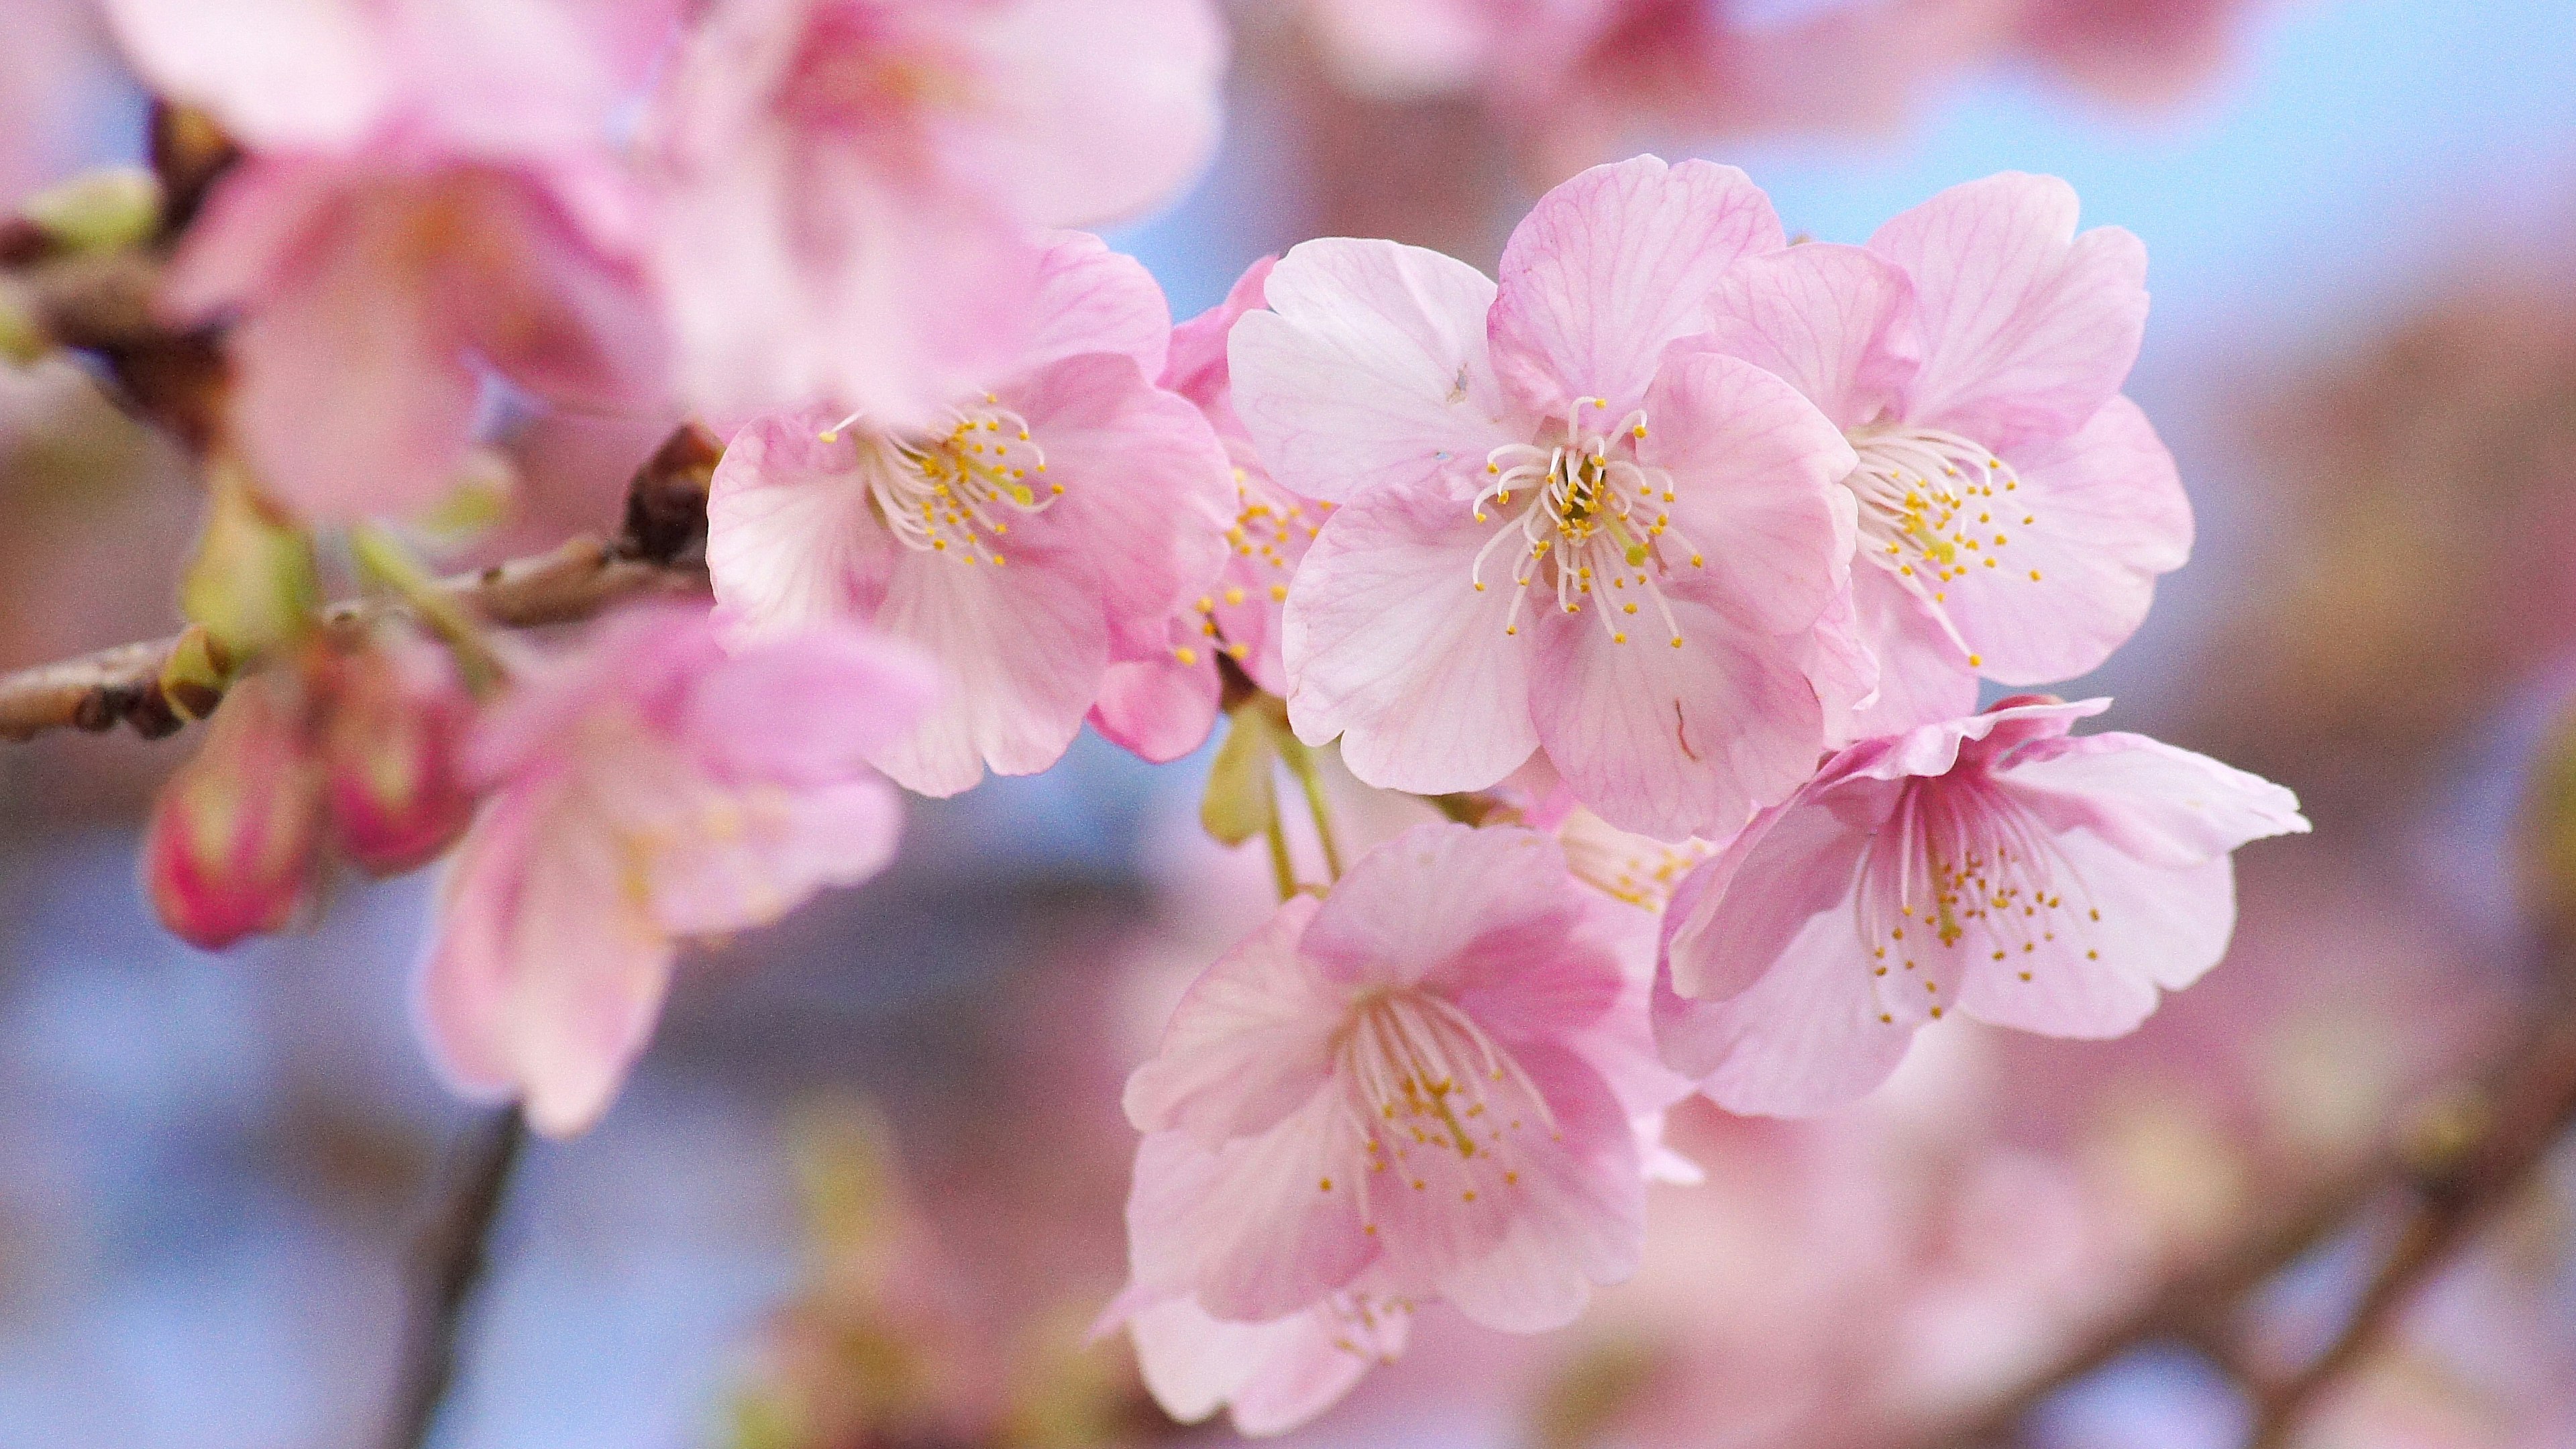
646 789
2015 510
1422 1085
1163 706
1994 864
1055 520
397 718
849 186
427 195
1555 533
234 845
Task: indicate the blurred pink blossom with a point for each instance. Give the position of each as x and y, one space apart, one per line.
645 789
2015 510
234 846
1420 1086
427 193
51 68
1509 459
849 187
1989 863
1045 527
1163 706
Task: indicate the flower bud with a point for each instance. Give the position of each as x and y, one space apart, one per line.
234 841
399 713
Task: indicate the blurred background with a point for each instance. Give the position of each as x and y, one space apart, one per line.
865 1190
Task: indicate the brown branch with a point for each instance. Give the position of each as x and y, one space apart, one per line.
660 552
449 1257
2534 1093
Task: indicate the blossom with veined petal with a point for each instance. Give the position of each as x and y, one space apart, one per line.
1163 706
646 789
848 187
428 191
2015 510
1996 864
1555 531
1050 524
1422 1085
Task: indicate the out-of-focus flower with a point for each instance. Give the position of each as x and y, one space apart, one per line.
1163 706
1420 1086
234 845
1048 525
1563 538
50 72
646 789
849 186
2015 510
1996 864
428 193
326 753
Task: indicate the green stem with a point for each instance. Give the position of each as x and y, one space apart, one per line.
385 559
1282 869
1301 763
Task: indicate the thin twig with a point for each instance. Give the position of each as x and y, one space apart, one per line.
660 554
448 1262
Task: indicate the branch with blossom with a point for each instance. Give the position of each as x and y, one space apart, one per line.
1672 563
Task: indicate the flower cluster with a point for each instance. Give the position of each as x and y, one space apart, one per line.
1671 563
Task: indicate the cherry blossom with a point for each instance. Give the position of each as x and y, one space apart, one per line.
1163 706
1052 522
848 187
1995 864
427 194
2015 510
1553 532
646 789
1421 1085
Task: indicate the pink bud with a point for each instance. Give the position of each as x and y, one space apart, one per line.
234 839
389 755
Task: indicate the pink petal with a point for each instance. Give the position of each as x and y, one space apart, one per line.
2157 804
1755 473
1250 1228
2028 329
1484 915
2158 928
1370 370
1251 1041
1197 369
547 303
1096 109
1020 649
2096 518
792 539
1390 646
1924 676
1835 322
1277 1375
1091 299
1159 708
805 708
1578 1208
279 73
744 859
1674 742
350 324
1613 265
546 978
1148 491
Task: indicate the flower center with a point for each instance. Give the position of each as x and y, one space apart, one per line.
1956 860
1933 505
1269 535
1591 523
955 492
1425 1083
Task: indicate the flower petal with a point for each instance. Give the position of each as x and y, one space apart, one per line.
1611 266
1390 645
1158 708
1095 110
1672 742
1923 672
1370 371
2157 928
1277 1375
1250 1042
1484 915
2096 518
2157 804
280 73
1021 649
792 540
1249 1228
1091 299
2028 329
1835 322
